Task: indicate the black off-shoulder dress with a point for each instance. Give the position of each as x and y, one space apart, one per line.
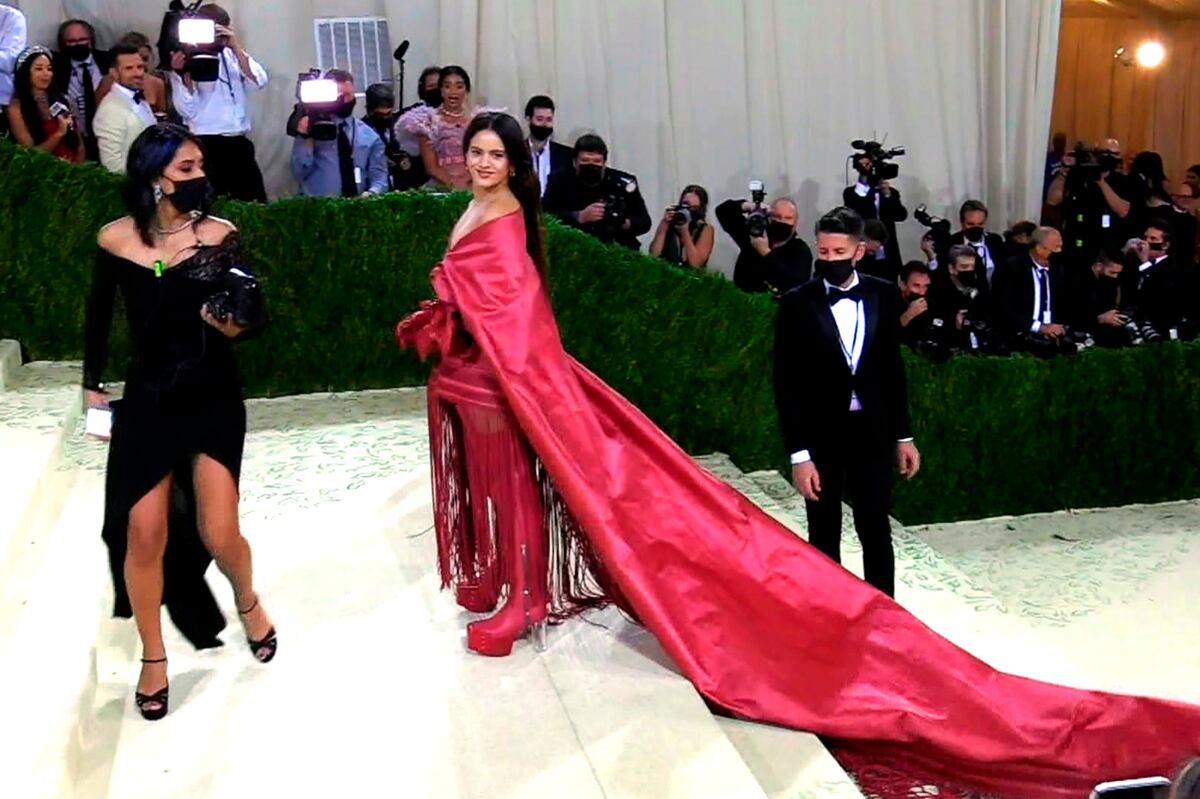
183 398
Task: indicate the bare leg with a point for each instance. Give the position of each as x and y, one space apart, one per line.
147 543
217 511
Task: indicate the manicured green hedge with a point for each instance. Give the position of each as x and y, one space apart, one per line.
999 436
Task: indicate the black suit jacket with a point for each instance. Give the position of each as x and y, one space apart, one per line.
891 210
561 157
1012 296
63 67
995 246
565 195
813 383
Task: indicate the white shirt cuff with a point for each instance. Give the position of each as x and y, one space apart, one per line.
1036 327
800 457
862 189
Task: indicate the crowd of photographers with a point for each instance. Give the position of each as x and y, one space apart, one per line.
1113 262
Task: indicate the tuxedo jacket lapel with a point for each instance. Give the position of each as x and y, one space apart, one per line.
828 326
871 311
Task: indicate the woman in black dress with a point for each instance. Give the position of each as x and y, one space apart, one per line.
178 431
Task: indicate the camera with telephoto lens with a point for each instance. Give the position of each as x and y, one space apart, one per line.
183 29
939 228
881 166
759 218
618 190
317 99
239 297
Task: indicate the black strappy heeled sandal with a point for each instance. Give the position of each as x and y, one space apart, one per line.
152 706
264 648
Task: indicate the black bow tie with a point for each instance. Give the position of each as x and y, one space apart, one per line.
139 97
855 293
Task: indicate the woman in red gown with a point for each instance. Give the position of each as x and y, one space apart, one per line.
552 493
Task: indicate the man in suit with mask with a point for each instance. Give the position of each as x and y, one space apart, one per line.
599 200
973 216
776 259
78 69
842 398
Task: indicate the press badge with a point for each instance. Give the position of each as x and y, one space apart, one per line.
358 178
1106 221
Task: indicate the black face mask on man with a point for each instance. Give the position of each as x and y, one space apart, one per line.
345 108
973 234
79 52
835 273
191 195
432 97
540 132
591 174
779 232
966 279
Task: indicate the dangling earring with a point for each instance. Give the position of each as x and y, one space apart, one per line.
158 193
512 173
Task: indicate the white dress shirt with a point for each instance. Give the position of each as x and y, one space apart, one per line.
541 163
219 108
851 319
985 256
75 89
13 37
1151 263
119 121
1041 314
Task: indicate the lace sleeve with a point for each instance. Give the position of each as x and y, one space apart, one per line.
418 121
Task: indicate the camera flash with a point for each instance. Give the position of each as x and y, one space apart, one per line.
318 91
197 31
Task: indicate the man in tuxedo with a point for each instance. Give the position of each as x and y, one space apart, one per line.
973 216
872 200
78 70
1030 309
842 397
124 112
548 155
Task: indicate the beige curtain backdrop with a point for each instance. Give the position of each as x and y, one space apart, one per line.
1147 109
715 92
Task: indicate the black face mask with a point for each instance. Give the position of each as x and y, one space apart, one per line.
540 132
191 195
973 234
779 232
966 279
379 123
79 52
835 273
591 174
1156 246
345 108
432 98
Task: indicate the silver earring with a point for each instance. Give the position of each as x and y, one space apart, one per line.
158 193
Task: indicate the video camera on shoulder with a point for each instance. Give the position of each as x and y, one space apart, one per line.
1089 165
758 219
317 99
880 157
184 29
618 189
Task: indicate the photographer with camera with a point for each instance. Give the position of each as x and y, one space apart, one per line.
351 162
210 81
961 303
873 197
915 319
973 216
1100 305
1028 300
1095 197
599 200
771 255
683 237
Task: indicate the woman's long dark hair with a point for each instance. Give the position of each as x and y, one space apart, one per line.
152 152
31 112
1147 168
523 184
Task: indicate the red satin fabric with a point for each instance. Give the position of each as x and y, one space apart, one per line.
761 623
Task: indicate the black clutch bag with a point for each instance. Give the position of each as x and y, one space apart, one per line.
238 297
